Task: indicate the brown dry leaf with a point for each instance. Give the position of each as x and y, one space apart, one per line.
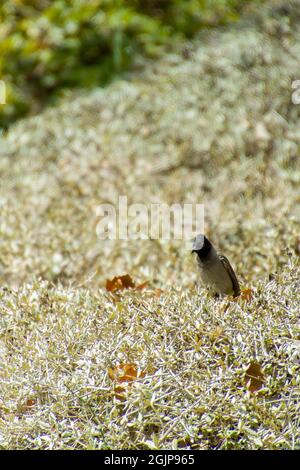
128 372
124 374
297 246
254 377
246 294
123 282
119 282
142 286
28 405
126 378
120 393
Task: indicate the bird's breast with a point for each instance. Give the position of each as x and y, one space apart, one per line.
214 275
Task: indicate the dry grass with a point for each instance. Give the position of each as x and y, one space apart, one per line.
57 345
219 128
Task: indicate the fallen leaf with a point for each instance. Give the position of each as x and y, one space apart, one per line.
28 405
246 294
119 282
124 374
120 393
123 282
142 286
254 377
297 246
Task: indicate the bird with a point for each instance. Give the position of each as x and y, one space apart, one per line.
215 270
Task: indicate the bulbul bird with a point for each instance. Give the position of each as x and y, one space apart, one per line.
215 270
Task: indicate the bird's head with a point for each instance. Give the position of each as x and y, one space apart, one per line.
201 245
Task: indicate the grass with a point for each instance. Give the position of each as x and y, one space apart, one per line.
217 127
59 344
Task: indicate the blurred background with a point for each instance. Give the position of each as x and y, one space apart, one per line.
48 48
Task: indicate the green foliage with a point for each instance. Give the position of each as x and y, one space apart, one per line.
47 46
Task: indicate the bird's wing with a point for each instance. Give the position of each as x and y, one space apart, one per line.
229 269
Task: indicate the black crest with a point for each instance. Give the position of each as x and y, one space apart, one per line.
201 246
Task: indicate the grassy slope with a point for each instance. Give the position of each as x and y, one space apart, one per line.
218 127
